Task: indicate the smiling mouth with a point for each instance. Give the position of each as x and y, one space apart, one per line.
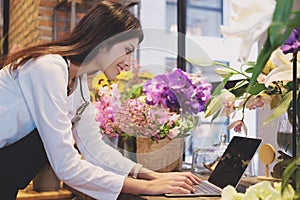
119 69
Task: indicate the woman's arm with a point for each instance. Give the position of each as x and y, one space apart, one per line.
159 183
147 174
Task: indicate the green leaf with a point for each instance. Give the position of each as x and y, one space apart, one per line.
262 59
250 63
136 91
294 21
249 70
220 87
288 172
284 20
283 107
239 91
257 88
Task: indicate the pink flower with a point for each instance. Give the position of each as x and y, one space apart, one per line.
173 132
237 126
258 101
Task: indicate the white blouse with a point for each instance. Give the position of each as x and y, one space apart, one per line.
35 96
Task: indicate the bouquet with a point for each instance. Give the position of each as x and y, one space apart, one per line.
158 107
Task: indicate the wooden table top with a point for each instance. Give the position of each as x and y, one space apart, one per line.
68 193
136 197
244 183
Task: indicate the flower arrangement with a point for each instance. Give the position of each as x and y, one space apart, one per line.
273 87
258 86
155 107
270 80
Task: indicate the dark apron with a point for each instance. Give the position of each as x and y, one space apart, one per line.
19 163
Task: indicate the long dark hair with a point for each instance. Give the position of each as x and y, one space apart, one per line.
102 23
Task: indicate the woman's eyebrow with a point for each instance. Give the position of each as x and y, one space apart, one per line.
132 47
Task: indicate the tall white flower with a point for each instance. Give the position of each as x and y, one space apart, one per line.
284 68
250 23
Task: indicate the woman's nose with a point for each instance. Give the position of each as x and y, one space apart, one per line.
127 62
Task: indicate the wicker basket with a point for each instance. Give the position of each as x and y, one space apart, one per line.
162 156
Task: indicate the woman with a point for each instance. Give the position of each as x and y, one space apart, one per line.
44 108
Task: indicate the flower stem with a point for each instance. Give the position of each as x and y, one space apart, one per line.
236 71
295 86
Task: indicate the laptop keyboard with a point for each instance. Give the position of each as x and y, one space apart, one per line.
205 188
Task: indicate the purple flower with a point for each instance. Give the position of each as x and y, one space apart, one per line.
178 91
292 44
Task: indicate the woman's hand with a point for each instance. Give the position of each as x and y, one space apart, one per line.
174 183
171 182
188 175
148 174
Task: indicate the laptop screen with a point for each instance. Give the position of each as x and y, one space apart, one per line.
234 161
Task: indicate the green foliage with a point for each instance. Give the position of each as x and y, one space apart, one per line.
284 20
291 175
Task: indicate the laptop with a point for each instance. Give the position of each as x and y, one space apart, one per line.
229 169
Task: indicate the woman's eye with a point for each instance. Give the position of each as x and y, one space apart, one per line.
128 51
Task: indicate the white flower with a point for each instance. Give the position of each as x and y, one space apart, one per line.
278 58
229 193
224 72
227 100
284 69
250 23
288 193
262 190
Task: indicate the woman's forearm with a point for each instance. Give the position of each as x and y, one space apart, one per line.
176 183
135 186
145 173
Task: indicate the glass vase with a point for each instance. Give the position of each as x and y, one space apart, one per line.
284 134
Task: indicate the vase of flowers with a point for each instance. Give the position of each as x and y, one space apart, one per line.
284 133
154 114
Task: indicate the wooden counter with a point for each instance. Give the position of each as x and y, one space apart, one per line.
68 193
179 198
244 183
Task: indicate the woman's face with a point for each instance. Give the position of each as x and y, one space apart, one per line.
112 61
